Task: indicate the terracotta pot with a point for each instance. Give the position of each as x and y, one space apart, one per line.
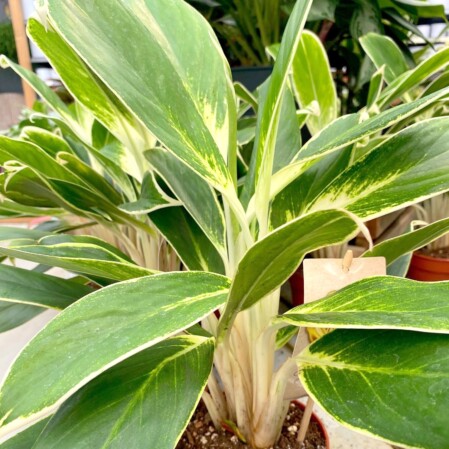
318 422
428 268
297 287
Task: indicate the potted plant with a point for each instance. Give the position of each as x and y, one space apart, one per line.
431 263
341 23
134 361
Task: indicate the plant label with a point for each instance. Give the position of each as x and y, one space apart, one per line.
321 278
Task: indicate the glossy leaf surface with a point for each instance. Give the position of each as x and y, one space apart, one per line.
150 409
273 259
396 247
98 332
407 168
380 303
313 81
29 287
383 51
372 380
195 123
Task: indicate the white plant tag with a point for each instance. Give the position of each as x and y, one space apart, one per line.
324 276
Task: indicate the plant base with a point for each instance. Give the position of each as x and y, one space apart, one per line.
201 434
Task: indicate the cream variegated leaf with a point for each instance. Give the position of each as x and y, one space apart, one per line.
405 169
97 333
371 381
165 84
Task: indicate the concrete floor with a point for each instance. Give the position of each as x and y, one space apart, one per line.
10 107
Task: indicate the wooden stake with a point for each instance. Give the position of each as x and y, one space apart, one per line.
305 421
23 49
347 261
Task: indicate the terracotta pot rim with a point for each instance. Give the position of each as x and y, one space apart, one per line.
318 421
419 255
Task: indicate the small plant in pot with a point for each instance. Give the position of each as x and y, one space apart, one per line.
431 263
128 364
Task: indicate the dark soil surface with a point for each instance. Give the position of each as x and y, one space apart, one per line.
442 253
201 434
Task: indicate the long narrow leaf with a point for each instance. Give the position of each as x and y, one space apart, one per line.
372 380
379 302
157 399
98 332
272 260
198 129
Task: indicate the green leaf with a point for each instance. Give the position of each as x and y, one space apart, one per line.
34 157
55 239
421 8
413 78
195 194
28 287
14 232
14 315
269 111
115 166
395 248
86 258
98 332
335 137
50 97
375 87
91 178
27 438
288 139
150 409
48 141
405 169
284 335
271 261
313 82
380 302
323 9
383 51
197 124
152 198
366 18
372 381
92 93
297 196
188 240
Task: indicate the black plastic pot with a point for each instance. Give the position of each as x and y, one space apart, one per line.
251 77
9 82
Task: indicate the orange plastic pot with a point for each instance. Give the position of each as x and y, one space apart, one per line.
428 268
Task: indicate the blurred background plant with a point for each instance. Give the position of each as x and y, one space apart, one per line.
7 43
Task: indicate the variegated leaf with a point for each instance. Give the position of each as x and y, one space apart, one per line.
381 302
198 123
373 380
98 332
93 94
150 409
272 260
407 168
313 81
